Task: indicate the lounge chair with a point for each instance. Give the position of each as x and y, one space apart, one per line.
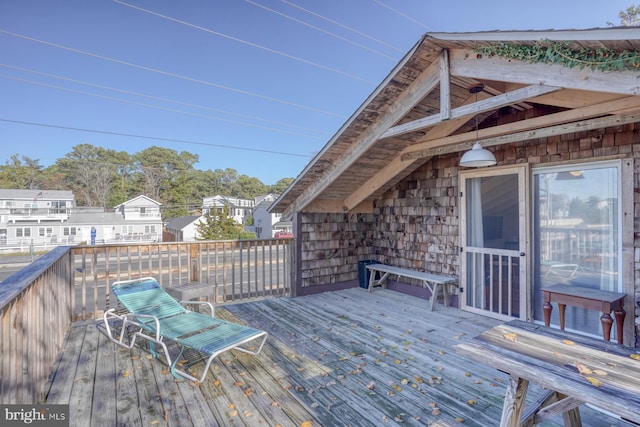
150 313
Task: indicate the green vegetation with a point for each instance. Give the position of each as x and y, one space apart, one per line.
218 225
103 177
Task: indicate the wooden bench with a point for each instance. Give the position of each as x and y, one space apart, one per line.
575 369
434 282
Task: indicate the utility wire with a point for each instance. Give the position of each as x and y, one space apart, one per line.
396 11
317 15
306 24
156 98
155 138
157 107
166 73
267 49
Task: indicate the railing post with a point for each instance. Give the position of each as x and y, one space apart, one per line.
194 274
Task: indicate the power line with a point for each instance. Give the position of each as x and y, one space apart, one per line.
317 15
155 98
306 24
155 138
267 49
396 11
157 107
166 73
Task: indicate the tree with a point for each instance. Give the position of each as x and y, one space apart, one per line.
21 172
218 225
281 186
629 17
90 172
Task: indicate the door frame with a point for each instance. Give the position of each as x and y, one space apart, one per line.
524 189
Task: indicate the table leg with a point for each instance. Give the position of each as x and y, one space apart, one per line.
514 401
562 308
547 308
620 314
607 322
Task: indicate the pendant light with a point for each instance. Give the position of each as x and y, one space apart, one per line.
477 157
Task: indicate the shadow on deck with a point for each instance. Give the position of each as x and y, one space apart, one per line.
346 358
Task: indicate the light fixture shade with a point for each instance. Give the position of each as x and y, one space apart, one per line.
477 157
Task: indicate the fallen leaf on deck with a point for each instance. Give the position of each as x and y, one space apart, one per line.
418 379
436 411
568 342
584 370
511 336
471 402
635 356
371 385
233 413
594 381
397 361
459 419
600 372
126 374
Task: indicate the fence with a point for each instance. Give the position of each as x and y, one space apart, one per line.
39 303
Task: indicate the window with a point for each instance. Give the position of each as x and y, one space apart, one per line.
149 228
127 229
69 231
45 231
23 232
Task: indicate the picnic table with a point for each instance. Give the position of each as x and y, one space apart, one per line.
434 282
573 368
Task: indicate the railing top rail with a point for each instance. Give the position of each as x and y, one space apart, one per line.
13 285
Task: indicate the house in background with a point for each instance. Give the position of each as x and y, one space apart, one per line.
141 220
182 229
28 216
239 209
559 146
45 218
268 224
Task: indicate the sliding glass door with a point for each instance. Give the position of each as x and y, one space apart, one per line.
576 235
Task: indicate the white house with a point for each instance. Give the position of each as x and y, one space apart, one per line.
239 209
183 228
267 224
46 218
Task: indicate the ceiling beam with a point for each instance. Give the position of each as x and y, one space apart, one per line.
468 63
405 102
424 147
481 106
562 129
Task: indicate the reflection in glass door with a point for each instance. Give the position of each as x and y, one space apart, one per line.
576 236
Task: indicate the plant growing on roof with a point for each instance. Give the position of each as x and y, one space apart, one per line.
561 53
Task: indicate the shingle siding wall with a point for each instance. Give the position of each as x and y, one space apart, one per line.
415 224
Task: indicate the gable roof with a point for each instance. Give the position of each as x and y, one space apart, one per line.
136 201
423 109
181 222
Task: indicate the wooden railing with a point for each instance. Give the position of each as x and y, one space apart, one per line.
39 303
36 313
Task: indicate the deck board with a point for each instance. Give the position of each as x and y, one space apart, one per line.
346 358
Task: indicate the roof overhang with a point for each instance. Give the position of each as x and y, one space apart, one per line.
424 109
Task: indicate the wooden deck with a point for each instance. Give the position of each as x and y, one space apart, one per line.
347 358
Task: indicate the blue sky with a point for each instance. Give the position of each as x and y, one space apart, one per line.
259 86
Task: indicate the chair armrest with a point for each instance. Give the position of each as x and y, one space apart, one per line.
132 318
200 303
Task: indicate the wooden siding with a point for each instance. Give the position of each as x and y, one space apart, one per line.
415 224
347 358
